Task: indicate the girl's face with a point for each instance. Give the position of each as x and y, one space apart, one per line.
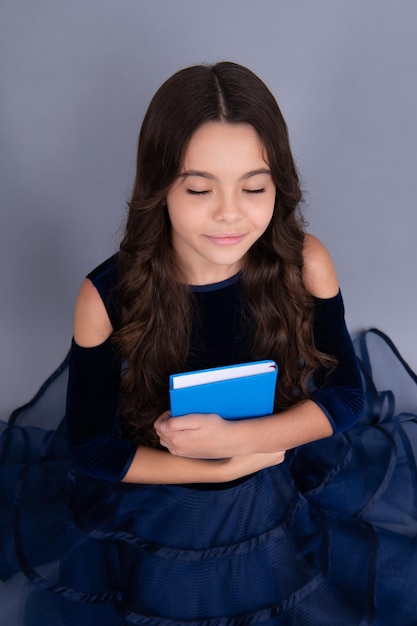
221 202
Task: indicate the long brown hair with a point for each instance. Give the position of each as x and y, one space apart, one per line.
156 307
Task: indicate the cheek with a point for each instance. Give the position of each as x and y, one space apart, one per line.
175 213
182 219
263 224
264 216
186 210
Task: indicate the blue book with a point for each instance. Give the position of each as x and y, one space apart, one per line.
233 392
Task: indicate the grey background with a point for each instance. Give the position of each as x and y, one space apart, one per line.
75 80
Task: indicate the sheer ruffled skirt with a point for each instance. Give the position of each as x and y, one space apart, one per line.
326 538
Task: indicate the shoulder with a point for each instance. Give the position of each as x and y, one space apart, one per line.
94 315
92 324
319 274
105 274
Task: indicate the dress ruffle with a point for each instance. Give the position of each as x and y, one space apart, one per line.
327 538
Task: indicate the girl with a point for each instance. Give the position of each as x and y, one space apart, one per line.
196 519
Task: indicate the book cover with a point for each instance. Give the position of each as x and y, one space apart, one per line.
233 392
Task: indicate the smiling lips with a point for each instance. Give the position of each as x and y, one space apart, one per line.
226 239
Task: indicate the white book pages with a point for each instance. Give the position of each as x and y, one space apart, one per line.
225 373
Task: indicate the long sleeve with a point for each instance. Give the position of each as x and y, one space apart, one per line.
97 448
340 395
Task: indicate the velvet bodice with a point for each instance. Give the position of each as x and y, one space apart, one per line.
218 338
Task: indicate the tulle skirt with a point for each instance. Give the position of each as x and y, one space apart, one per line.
327 538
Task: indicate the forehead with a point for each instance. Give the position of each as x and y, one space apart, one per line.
215 145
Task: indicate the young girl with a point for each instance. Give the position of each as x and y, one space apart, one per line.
195 519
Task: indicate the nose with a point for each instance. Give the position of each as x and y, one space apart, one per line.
228 209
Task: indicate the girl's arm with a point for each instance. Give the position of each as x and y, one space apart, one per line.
153 466
332 408
97 448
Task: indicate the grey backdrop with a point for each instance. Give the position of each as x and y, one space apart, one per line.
76 78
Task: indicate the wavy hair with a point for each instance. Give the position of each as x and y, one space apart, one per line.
154 338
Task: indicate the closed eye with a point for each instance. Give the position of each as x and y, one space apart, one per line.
254 190
193 192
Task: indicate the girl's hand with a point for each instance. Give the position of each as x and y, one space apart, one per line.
197 436
240 466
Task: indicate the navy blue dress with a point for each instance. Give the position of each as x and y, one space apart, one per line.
326 538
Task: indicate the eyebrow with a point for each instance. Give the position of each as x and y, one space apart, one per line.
212 177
